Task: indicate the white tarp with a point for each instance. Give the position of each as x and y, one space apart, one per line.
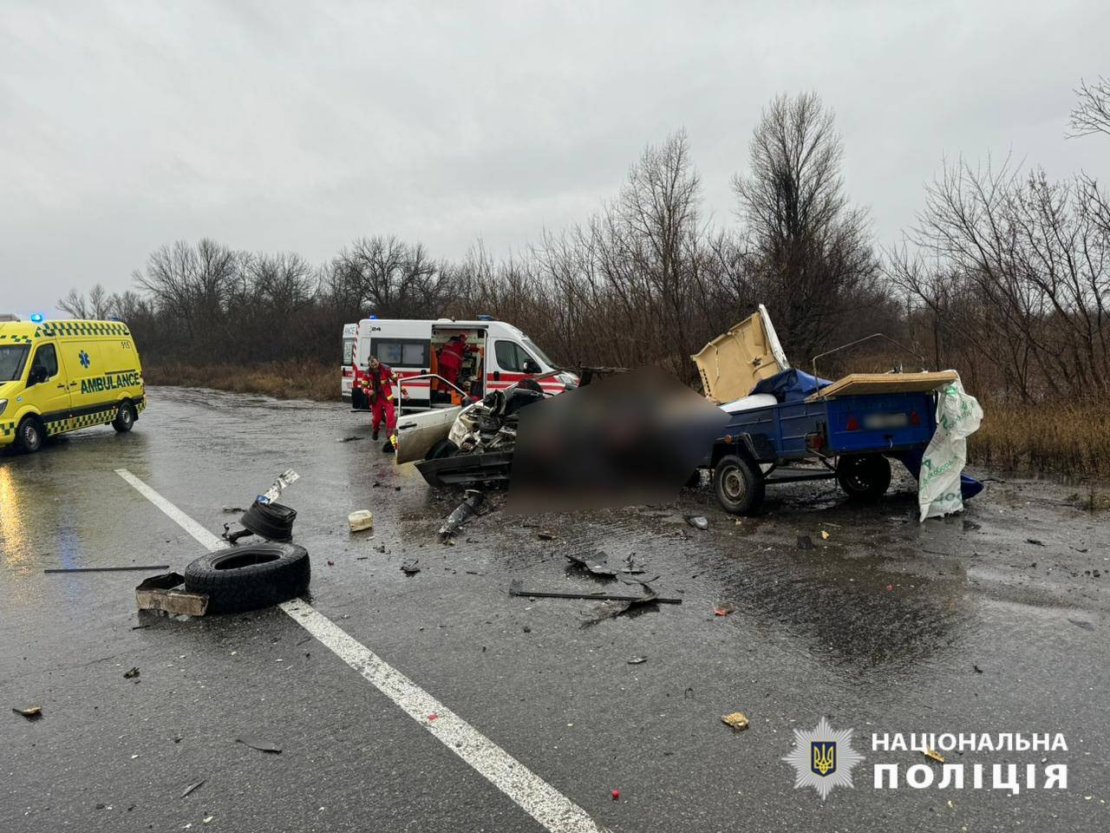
958 417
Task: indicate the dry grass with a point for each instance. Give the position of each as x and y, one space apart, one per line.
1069 440
282 380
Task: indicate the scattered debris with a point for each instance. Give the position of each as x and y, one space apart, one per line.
978 670
193 787
159 593
1035 542
433 716
107 569
286 478
515 589
805 543
260 745
31 713
596 566
737 721
616 795
933 755
463 513
724 609
698 521
360 520
637 660
349 439
269 520
824 535
544 535
1079 623
409 568
132 674
233 510
331 563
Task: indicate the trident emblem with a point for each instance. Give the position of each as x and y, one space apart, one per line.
824 758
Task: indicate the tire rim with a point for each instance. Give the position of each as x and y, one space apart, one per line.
125 415
733 484
856 479
31 437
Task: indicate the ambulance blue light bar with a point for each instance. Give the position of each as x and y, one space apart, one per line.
36 318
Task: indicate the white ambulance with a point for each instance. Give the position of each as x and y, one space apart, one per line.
347 366
497 355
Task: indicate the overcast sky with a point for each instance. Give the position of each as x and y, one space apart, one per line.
301 126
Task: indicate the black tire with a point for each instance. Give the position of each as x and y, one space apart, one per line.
250 577
273 521
29 435
738 484
443 448
125 417
865 477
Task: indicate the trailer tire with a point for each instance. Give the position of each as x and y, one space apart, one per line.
864 477
246 578
738 484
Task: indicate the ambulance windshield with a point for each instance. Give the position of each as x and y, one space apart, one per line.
537 352
12 358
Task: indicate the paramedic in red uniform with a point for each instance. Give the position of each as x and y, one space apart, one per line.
378 384
450 358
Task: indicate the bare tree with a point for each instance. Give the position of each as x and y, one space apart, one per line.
1092 112
812 253
393 278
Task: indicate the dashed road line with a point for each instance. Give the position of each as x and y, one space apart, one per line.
540 800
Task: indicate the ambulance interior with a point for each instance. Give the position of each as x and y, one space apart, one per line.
471 373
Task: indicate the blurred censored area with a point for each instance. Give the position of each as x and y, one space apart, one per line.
628 439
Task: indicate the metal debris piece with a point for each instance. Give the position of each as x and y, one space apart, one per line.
544 535
193 787
637 660
132 674
260 745
595 565
737 721
1035 542
409 568
463 513
107 569
698 521
934 755
31 713
284 479
724 609
349 439
516 589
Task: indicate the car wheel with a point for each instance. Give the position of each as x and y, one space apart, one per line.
29 435
442 449
864 478
738 484
249 577
125 417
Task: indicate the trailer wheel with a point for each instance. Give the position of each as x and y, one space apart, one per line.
250 577
739 485
865 477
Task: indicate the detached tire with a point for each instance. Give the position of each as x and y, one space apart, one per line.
250 577
29 435
125 417
738 484
864 478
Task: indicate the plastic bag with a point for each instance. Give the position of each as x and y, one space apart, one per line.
958 417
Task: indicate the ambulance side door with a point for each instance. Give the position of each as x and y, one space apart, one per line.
81 359
50 391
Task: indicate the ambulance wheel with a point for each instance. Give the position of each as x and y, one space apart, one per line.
865 477
125 417
29 435
738 484
249 577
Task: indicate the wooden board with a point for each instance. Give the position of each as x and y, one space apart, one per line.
857 384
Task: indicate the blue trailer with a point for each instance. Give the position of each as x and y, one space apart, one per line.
851 437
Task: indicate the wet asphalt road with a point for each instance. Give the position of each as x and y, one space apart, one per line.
880 627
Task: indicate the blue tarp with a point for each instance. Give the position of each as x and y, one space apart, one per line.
791 385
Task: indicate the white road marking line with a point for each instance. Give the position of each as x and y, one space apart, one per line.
531 793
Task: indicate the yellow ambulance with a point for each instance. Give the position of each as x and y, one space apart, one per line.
58 376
